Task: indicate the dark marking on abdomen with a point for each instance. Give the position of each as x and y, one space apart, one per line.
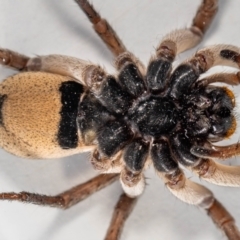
2 98
230 55
68 132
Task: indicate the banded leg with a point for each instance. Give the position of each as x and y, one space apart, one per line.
121 212
226 55
198 195
181 40
165 162
102 28
66 199
83 71
217 152
176 42
222 218
228 78
218 174
13 59
190 71
105 164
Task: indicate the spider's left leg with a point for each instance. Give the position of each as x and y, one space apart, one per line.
133 183
66 199
122 210
102 28
82 71
228 78
78 193
13 59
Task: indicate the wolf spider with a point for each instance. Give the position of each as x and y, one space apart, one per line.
230 54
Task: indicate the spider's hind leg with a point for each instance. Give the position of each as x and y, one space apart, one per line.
78 193
66 199
122 210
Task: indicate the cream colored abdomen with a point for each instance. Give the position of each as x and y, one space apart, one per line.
31 116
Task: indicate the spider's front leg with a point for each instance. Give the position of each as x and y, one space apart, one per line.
66 199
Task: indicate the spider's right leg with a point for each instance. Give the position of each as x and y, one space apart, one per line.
76 194
102 28
187 191
196 194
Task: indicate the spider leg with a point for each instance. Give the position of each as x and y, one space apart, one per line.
190 70
217 173
83 71
217 152
228 78
134 161
223 219
13 59
102 28
165 163
66 199
205 15
175 42
78 193
121 212
207 169
196 194
106 164
226 55
184 39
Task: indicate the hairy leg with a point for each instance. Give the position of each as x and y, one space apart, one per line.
66 199
228 78
102 28
198 195
121 212
184 39
13 59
